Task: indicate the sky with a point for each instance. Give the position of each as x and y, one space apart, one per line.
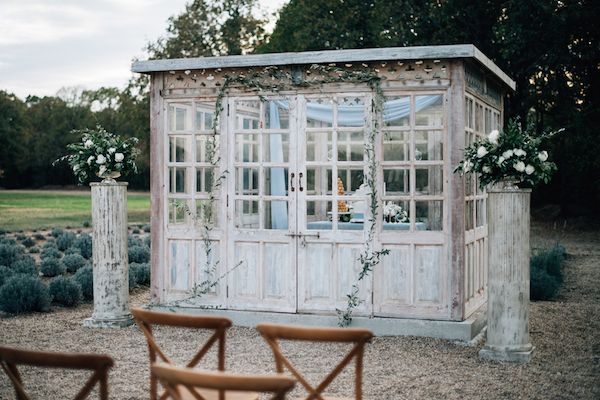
49 44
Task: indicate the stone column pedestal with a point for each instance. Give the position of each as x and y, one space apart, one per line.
508 275
111 267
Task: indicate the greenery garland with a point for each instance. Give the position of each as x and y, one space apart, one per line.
275 79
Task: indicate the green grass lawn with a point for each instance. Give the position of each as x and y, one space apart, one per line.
40 209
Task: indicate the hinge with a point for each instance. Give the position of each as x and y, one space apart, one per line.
227 291
227 201
228 109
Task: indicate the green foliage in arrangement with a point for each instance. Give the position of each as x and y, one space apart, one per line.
65 291
24 293
546 273
101 153
85 278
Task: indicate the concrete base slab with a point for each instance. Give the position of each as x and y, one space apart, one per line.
109 323
520 356
452 330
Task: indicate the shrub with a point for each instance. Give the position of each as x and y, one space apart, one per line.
39 236
50 243
147 241
73 262
133 241
34 250
140 274
10 253
28 242
65 291
51 252
86 224
135 231
56 232
65 240
546 275
84 244
5 273
52 267
8 241
20 237
146 228
24 293
72 250
139 254
26 265
85 278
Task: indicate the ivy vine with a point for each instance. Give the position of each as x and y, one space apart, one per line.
273 79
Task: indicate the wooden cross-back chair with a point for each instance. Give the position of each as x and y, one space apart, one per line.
146 319
10 358
176 378
273 332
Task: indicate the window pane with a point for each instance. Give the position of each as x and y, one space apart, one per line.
349 180
396 146
469 213
480 213
276 215
246 147
396 111
178 117
396 215
396 182
247 114
429 180
204 179
428 145
207 147
429 110
429 215
178 180
207 212
318 181
351 146
246 181
178 211
319 113
276 147
277 114
276 181
318 215
178 149
204 117
246 214
319 146
351 111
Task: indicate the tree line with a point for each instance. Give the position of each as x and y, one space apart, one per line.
551 48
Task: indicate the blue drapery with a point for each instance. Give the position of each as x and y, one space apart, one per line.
348 115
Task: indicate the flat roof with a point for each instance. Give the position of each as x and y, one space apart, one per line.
325 56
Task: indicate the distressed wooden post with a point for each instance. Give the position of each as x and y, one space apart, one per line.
111 268
508 275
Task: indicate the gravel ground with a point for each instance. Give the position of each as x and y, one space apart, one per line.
565 332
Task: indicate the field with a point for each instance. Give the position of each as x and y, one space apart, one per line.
40 209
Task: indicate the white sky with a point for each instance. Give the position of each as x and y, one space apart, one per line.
49 44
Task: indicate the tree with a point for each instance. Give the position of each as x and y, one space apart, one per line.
12 144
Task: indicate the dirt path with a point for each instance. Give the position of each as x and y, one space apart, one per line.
565 332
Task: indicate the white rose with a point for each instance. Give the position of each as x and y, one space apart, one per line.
119 157
519 152
101 159
481 151
102 170
493 136
507 154
90 159
486 169
543 155
88 143
75 168
467 166
529 169
111 150
519 166
500 160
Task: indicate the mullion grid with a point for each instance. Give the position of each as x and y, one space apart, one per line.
411 164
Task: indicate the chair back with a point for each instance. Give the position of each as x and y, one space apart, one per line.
274 332
100 364
146 319
175 378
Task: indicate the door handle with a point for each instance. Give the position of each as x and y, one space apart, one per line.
292 175
300 182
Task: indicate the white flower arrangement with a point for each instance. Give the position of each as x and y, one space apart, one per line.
394 213
101 153
512 154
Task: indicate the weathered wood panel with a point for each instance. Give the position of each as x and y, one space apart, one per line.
429 274
180 271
